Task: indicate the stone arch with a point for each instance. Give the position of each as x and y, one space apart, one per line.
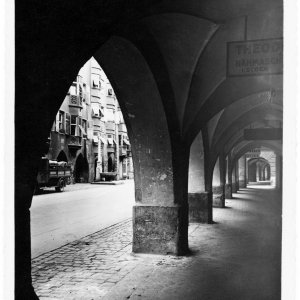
199 193
267 171
81 169
153 151
62 156
245 119
252 145
253 163
275 147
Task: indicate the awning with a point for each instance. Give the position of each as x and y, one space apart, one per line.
101 112
103 140
95 139
110 141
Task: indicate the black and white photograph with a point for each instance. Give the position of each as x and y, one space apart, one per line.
148 150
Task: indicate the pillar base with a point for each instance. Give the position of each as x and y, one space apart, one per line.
156 229
218 196
200 209
228 191
235 187
242 184
25 291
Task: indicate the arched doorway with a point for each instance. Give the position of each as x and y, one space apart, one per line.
95 168
258 169
252 172
267 172
110 163
81 169
62 156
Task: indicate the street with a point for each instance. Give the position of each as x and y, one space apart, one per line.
82 209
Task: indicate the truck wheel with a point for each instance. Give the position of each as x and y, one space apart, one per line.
61 185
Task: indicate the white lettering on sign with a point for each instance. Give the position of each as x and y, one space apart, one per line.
255 57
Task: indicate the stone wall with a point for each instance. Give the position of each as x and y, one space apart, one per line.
200 207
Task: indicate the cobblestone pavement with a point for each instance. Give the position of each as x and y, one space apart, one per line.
238 257
86 268
89 268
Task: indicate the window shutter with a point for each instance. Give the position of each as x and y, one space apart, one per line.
57 122
68 128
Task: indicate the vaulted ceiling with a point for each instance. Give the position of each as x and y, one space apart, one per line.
183 44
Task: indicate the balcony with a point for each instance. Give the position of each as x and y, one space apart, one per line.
110 101
123 151
74 142
110 126
75 101
95 92
122 128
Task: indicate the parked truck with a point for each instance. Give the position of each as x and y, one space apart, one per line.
53 174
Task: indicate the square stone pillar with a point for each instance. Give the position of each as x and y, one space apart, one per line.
242 172
218 196
200 207
228 191
155 229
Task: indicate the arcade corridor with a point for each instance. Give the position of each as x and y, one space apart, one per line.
238 257
200 87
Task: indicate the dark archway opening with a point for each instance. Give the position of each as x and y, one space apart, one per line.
267 172
110 163
81 169
252 172
95 168
62 156
259 170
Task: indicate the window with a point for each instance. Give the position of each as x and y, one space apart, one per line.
95 81
80 94
109 92
61 121
79 132
68 128
73 90
73 125
84 125
120 140
110 116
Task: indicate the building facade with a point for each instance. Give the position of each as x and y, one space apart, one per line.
89 130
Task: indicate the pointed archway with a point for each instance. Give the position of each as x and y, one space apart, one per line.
81 169
62 156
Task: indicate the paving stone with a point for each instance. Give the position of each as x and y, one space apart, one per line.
87 268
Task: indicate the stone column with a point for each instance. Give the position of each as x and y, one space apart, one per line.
99 161
199 200
273 168
257 172
278 171
235 184
160 219
160 214
242 171
25 179
218 186
247 170
228 185
117 157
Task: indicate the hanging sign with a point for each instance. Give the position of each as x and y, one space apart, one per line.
254 58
